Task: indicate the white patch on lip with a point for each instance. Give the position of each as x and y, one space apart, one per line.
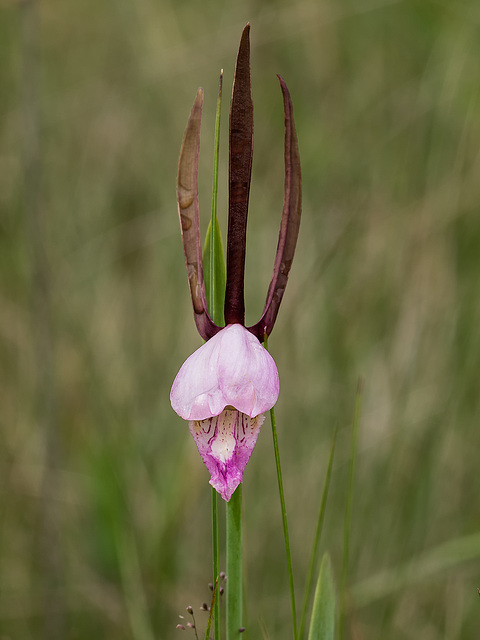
223 445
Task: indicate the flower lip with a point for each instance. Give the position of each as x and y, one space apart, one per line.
226 443
232 368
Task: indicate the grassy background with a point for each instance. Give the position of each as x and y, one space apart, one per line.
104 502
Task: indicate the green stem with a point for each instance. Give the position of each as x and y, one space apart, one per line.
348 505
216 561
284 520
234 564
284 515
217 315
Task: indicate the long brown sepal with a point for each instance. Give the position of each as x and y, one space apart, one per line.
240 170
187 199
287 239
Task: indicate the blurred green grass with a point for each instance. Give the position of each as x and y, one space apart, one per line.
110 535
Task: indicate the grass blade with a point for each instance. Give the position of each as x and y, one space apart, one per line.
234 564
322 625
213 257
284 516
422 567
318 533
216 276
214 266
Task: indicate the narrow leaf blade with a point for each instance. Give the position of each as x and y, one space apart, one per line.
322 624
213 258
216 301
318 533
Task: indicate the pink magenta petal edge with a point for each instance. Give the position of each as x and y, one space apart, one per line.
232 368
227 474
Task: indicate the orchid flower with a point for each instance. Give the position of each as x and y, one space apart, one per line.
224 388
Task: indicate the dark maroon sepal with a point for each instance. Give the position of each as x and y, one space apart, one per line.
287 239
240 171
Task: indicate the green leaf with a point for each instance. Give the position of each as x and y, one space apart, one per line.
217 277
213 258
286 535
322 624
215 295
321 515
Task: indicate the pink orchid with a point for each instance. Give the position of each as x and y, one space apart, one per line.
224 388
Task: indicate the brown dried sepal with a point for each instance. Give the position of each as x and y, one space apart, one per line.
187 199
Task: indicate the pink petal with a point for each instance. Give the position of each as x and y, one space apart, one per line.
225 443
231 369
